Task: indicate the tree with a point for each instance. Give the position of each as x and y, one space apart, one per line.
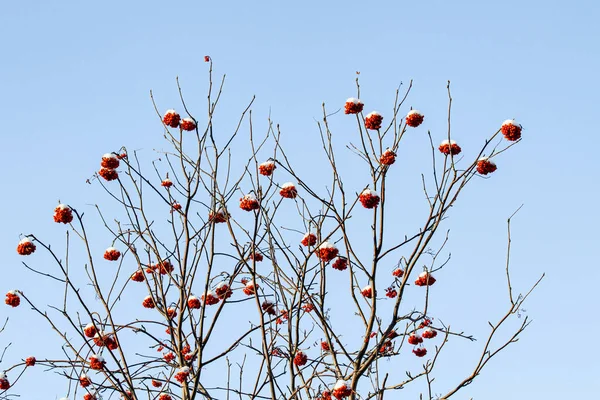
288 290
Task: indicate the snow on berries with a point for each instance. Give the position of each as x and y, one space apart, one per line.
288 190
420 352
353 106
169 357
310 239
223 291
325 395
414 339
367 292
250 288
165 267
138 276
340 263
267 168
25 247
373 121
425 279
112 254
110 161
511 130
182 374
97 362
188 124
388 157
209 298
176 206
218 217
341 389
249 203
171 312
109 164
414 118
448 147
166 183
84 380
156 383
101 339
424 323
485 166
63 214
268 307
108 174
194 302
12 298
148 302
171 118
398 272
429 333
300 358
90 330
4 383
327 251
369 198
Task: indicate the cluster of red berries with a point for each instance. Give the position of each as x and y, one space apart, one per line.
101 339
172 119
268 307
511 130
373 121
63 214
300 358
267 168
12 298
425 279
4 383
353 106
249 203
416 339
369 198
97 362
249 287
25 247
388 157
367 292
164 267
109 165
218 217
449 147
288 190
414 118
327 251
182 374
340 263
485 166
310 239
112 254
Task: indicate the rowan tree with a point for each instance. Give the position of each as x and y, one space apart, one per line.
291 284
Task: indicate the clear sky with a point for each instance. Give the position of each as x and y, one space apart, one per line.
74 84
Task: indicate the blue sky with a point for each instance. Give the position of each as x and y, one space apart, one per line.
74 84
